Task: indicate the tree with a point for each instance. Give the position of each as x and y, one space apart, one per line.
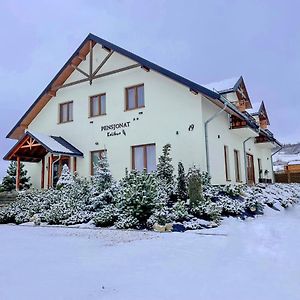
182 191
9 181
66 178
102 178
165 168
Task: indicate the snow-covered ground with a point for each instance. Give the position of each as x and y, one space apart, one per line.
252 259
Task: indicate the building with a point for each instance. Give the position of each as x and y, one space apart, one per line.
106 99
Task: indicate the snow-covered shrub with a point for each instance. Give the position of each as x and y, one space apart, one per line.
231 207
194 179
254 205
127 221
107 216
66 178
232 190
181 187
162 212
180 211
165 168
102 178
136 199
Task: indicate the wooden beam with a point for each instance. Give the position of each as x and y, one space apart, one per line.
97 76
145 68
51 93
74 164
103 63
43 173
50 158
91 62
81 56
18 173
117 71
79 70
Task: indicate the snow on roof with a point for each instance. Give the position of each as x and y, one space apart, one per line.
222 86
280 158
294 162
53 143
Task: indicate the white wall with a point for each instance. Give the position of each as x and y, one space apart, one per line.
169 107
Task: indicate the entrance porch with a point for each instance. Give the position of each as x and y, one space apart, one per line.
52 151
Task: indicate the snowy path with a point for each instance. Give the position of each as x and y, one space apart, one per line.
254 259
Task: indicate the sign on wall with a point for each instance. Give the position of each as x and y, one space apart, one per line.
115 128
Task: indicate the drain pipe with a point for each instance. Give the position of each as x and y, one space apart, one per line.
52 169
206 135
279 149
245 157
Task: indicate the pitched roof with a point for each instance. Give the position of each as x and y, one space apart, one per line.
53 144
76 59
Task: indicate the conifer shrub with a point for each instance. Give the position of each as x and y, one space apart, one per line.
181 186
136 200
9 181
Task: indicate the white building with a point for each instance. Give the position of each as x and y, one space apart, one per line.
108 99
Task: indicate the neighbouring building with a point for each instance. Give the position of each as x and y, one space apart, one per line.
106 99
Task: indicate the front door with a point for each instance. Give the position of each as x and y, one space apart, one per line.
57 168
250 169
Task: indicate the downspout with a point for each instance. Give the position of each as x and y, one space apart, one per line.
206 135
52 169
280 148
245 157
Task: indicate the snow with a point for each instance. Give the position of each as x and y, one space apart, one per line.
50 142
223 85
281 159
253 259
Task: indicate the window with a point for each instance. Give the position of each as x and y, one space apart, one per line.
226 158
259 168
143 157
98 105
66 112
135 97
95 156
237 166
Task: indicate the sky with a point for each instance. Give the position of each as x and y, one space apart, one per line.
205 41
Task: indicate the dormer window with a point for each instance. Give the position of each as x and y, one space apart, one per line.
66 112
134 97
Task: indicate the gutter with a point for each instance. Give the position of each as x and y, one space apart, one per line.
206 135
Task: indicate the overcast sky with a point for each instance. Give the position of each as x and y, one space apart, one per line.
202 40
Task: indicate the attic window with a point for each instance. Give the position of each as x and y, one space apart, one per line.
66 112
135 97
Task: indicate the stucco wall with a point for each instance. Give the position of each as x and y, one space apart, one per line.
170 108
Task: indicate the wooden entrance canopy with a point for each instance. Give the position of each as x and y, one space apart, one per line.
32 147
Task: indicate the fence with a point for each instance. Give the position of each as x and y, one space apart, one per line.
288 177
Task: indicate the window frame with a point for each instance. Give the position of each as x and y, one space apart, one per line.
91 158
99 103
68 103
145 160
226 160
136 102
237 165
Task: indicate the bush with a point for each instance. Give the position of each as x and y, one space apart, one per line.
107 216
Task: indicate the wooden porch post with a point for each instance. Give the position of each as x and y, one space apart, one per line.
43 173
18 174
50 158
74 164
